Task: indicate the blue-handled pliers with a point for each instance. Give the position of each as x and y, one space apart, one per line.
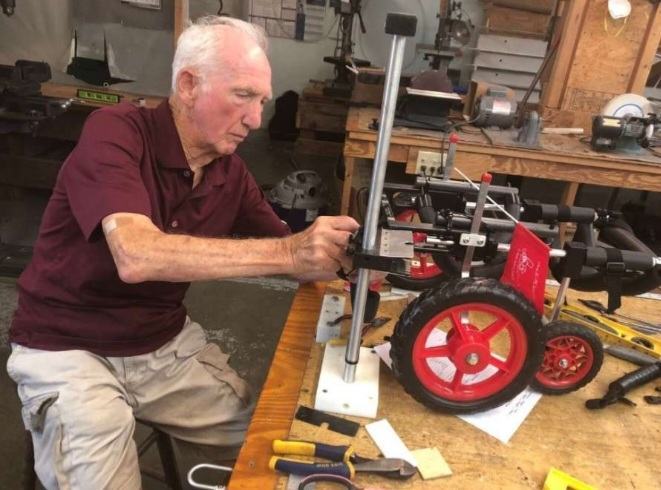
345 461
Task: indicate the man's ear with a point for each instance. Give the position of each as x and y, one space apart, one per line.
188 86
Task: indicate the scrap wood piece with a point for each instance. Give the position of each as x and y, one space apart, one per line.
431 463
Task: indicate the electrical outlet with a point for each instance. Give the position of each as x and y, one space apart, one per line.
430 163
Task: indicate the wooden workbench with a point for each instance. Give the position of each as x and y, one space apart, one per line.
613 448
563 158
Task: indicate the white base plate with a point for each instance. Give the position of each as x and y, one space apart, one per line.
331 308
360 398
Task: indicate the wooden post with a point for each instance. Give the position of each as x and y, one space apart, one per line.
569 29
181 16
349 165
646 55
567 199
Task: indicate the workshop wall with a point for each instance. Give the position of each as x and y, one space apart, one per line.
140 40
37 32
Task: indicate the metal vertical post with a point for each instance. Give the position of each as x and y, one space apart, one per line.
452 152
401 26
480 202
560 298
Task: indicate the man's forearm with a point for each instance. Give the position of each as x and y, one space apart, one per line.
157 256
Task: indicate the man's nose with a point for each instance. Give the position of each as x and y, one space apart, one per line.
253 118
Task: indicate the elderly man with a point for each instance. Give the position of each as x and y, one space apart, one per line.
148 201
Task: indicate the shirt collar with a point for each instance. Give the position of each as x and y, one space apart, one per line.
170 152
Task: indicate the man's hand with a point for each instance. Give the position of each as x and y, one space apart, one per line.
319 251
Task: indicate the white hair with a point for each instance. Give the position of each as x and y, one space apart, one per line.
199 44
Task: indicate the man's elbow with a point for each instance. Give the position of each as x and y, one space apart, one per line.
131 266
131 273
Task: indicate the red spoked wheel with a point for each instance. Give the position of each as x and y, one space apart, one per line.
470 345
424 272
463 366
572 358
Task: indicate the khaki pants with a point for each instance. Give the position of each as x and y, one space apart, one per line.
81 408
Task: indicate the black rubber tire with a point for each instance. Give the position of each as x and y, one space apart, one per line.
407 282
452 293
561 328
593 279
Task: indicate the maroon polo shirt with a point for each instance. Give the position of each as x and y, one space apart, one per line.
129 160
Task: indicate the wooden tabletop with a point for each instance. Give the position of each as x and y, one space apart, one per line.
611 448
279 397
561 157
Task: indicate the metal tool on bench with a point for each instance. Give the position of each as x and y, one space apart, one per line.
626 124
636 324
22 105
621 386
345 461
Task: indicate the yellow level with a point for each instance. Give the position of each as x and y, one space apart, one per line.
98 97
610 331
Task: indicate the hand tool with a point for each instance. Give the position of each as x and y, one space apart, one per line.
309 482
630 355
620 387
346 461
634 323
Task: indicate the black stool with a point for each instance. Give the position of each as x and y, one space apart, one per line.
170 476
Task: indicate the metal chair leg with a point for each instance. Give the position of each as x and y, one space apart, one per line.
168 459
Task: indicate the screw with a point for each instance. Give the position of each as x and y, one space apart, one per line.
472 359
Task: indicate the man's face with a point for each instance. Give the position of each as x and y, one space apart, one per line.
229 103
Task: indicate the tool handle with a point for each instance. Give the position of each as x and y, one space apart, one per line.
630 355
595 305
638 377
295 467
307 448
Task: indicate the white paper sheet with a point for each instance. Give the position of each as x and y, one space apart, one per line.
500 422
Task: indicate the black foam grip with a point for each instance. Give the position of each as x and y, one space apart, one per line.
401 24
572 264
638 261
639 377
553 213
576 214
532 212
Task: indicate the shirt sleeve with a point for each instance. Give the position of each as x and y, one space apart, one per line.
256 216
102 174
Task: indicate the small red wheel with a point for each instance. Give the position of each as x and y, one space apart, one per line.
469 345
572 358
424 272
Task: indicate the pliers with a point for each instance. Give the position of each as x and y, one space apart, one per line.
346 461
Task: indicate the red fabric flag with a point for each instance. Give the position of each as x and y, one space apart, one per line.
527 265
